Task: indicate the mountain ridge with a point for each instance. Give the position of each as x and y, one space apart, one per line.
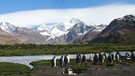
60 33
120 30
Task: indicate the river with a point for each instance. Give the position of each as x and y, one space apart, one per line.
26 60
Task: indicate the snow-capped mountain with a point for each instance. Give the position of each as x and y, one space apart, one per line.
7 27
99 28
95 30
78 30
58 29
59 33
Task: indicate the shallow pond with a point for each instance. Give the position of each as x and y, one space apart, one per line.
28 59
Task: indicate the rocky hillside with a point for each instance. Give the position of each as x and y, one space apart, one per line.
120 30
59 33
6 38
91 34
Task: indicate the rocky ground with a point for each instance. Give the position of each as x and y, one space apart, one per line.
111 71
98 70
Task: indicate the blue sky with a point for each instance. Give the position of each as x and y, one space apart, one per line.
35 12
8 6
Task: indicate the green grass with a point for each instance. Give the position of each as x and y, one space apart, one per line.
80 68
43 63
33 49
12 69
47 63
40 63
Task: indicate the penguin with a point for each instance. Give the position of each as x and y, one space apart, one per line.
62 60
113 55
110 60
118 57
104 57
100 57
78 58
95 59
68 59
127 56
132 56
65 60
91 57
84 58
53 61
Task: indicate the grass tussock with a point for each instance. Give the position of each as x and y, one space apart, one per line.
13 69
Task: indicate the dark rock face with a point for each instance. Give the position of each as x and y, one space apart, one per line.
89 36
77 32
127 22
120 30
92 33
74 32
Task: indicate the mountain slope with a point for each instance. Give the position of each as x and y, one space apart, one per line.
7 27
58 29
29 36
10 34
6 38
77 31
121 30
65 32
91 34
59 33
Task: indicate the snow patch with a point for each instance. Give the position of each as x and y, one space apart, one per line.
7 27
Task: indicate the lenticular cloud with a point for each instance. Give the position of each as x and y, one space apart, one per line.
97 15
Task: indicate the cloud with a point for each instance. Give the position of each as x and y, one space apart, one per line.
97 15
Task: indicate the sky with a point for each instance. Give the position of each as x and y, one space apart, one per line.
35 12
